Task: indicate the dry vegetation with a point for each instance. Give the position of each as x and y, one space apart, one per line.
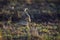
17 24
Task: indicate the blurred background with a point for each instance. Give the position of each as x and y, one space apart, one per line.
29 19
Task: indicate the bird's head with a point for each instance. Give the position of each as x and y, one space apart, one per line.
26 9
